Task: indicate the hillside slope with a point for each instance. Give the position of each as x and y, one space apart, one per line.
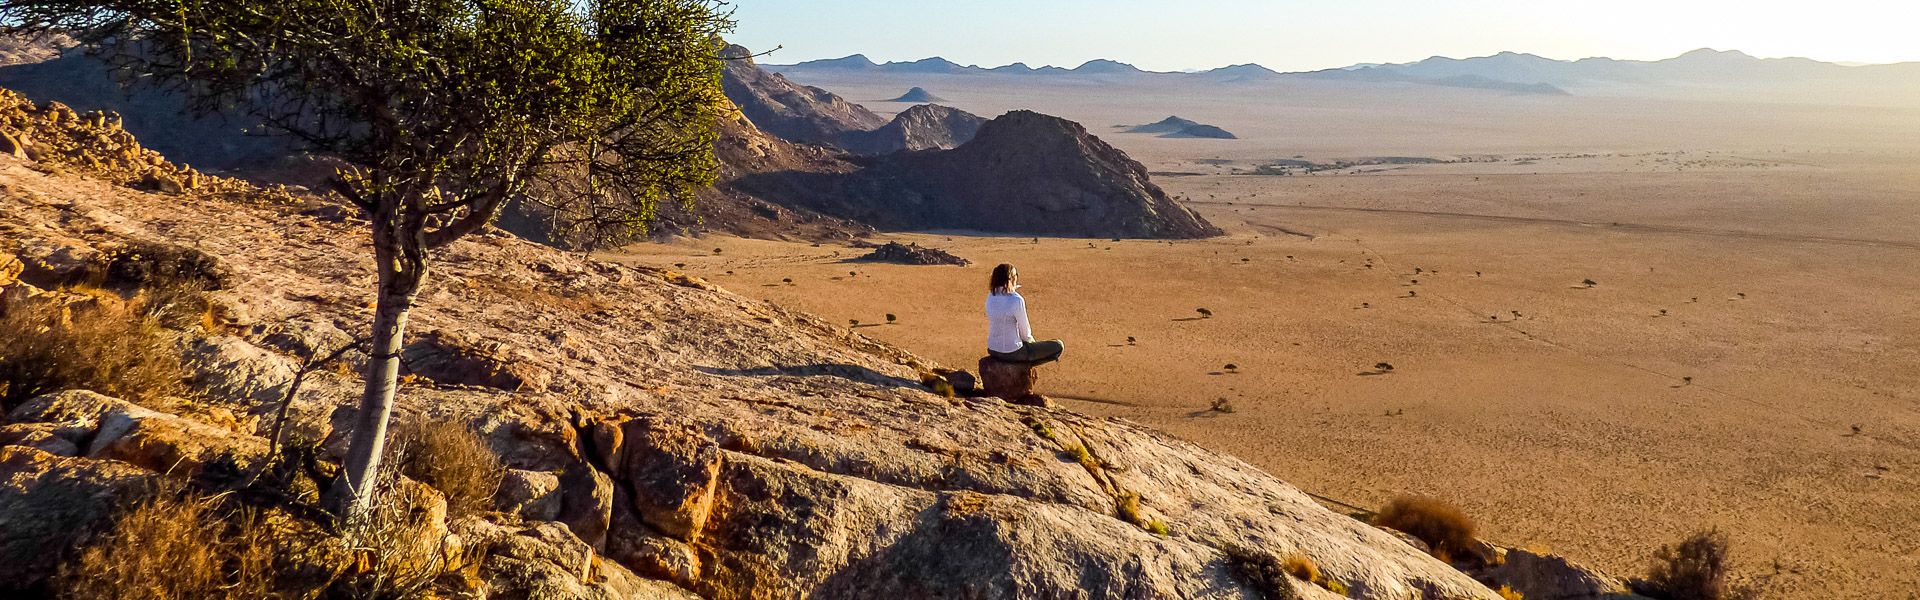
792 111
694 440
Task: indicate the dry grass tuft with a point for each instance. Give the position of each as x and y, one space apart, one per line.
178 307
452 458
1301 567
1445 528
167 548
108 349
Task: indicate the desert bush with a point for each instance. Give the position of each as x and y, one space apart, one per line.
1260 571
391 560
1445 528
1694 569
176 306
149 265
108 349
452 458
169 547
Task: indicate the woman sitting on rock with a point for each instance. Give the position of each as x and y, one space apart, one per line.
1009 337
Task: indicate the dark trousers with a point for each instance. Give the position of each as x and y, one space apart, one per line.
1037 353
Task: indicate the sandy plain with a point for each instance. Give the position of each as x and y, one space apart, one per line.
1745 360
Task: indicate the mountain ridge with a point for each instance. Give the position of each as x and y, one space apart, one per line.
1508 71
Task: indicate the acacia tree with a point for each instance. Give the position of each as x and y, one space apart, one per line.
444 111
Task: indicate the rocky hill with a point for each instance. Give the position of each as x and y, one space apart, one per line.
1202 131
1176 127
919 95
923 127
789 110
664 438
761 192
1168 125
1030 173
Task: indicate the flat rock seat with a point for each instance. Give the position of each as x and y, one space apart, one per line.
1011 381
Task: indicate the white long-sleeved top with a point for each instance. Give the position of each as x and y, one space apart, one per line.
1007 325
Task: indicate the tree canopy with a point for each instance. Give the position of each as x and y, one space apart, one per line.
443 111
452 107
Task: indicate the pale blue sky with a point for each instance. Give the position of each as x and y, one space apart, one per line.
1292 35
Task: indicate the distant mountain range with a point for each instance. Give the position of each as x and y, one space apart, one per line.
1509 72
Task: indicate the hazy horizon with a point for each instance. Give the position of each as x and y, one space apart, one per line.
1307 36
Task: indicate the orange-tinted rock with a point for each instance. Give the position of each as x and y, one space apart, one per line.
669 470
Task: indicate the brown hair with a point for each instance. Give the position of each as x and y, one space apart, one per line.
1002 281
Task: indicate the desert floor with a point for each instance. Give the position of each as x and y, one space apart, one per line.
1745 360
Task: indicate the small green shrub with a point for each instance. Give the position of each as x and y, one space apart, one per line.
1157 527
1040 428
1082 455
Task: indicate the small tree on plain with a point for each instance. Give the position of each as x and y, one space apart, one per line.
443 111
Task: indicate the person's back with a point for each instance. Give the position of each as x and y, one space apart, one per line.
1009 335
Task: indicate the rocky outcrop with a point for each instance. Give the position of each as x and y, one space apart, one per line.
50 503
451 359
54 133
1011 381
786 109
923 127
159 117
913 254
1550 577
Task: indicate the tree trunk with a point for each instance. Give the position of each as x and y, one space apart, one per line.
401 273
